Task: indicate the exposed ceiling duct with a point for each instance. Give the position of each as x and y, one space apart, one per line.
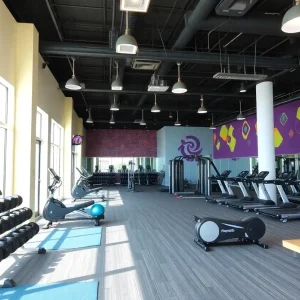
263 25
234 8
201 12
95 51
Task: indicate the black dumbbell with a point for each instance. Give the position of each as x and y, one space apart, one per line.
17 217
5 247
10 221
1 207
30 231
26 234
13 242
19 199
28 213
35 227
12 201
5 204
4 225
20 216
18 235
1 254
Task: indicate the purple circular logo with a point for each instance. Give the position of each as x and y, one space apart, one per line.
190 146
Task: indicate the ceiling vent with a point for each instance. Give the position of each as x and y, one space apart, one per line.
239 76
157 85
143 64
234 8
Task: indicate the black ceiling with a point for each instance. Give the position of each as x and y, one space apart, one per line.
89 22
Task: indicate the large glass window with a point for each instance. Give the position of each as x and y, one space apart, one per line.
56 149
3 134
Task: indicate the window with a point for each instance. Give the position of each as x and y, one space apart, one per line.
56 149
3 134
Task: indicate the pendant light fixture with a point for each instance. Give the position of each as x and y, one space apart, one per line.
212 126
179 87
126 43
143 122
112 119
243 88
114 106
202 109
73 83
89 119
155 108
117 84
170 115
177 123
291 19
240 116
140 6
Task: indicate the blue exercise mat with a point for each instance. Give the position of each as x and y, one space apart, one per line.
67 238
65 291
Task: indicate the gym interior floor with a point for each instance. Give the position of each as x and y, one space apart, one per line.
147 252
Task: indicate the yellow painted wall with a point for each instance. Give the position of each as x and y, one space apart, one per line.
8 44
32 87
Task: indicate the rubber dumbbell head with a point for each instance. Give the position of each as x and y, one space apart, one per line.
10 221
12 201
30 230
18 235
5 247
4 225
26 234
5 204
13 242
19 199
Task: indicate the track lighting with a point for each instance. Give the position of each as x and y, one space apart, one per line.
143 122
126 43
212 126
73 83
243 88
117 84
291 19
89 119
155 108
179 87
177 123
112 119
114 106
240 116
202 109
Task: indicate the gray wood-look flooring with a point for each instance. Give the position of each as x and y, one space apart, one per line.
147 252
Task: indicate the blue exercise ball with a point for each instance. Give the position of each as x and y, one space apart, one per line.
97 210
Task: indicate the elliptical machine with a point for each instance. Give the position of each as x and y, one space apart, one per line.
213 232
56 211
81 189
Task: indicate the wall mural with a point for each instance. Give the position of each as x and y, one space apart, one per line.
121 143
239 138
190 146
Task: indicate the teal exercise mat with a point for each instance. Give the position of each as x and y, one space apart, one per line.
55 291
67 238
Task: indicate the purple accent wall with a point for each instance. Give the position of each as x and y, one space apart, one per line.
239 139
121 143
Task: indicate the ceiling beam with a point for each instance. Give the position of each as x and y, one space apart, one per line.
178 96
206 58
163 108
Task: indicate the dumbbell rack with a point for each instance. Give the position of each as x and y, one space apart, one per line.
12 235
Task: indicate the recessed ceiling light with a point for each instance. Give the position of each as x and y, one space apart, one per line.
135 5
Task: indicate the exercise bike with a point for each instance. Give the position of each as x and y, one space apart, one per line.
82 189
56 211
213 232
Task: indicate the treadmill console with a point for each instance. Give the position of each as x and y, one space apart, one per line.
262 175
225 174
243 174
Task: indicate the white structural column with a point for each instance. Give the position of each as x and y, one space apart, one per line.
265 134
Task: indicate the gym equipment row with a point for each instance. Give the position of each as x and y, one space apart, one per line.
103 178
176 176
56 211
16 236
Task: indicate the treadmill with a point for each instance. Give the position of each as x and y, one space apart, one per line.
284 212
237 181
258 181
221 179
